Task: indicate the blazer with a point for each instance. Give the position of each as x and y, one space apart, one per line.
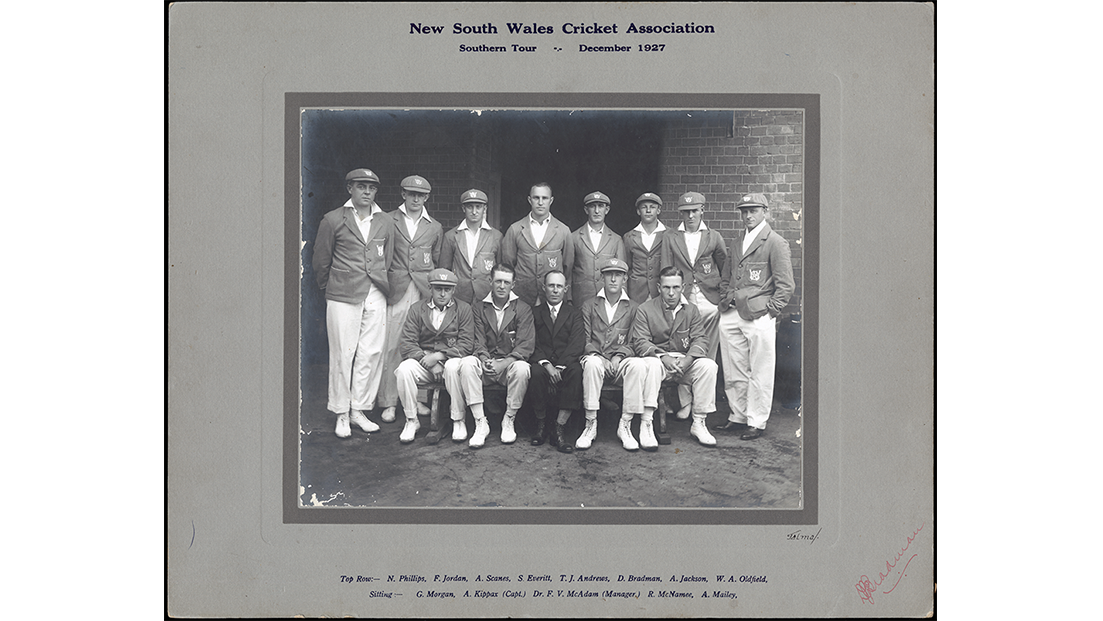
604 337
530 263
760 281
516 338
345 264
474 279
706 269
643 265
456 336
562 342
653 334
414 256
585 279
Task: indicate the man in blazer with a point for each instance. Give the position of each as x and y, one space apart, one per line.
668 333
537 244
471 249
644 247
438 340
701 254
608 320
417 244
759 281
556 373
593 243
352 254
504 341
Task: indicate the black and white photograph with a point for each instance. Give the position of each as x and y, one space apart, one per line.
669 376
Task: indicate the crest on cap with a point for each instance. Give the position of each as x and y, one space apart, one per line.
648 196
753 200
473 196
441 276
362 174
689 200
596 197
415 183
613 264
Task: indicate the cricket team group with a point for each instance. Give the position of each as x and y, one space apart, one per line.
549 312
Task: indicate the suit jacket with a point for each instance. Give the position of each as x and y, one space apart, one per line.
643 265
562 342
531 263
609 338
706 269
456 336
517 336
761 280
474 279
414 256
345 264
585 279
653 334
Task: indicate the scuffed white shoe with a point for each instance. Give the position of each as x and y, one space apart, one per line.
459 431
624 432
422 409
358 417
683 413
343 430
588 434
409 430
648 441
482 430
701 431
388 415
509 435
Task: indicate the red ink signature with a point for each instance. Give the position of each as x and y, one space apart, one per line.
866 587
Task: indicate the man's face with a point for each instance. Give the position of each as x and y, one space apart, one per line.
414 201
555 288
614 280
670 288
500 287
473 214
596 212
692 218
649 211
442 294
540 201
753 216
362 193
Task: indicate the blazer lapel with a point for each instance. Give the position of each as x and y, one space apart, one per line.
526 232
350 221
461 244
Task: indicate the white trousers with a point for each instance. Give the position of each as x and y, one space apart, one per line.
462 379
640 382
710 315
396 318
748 353
356 335
698 384
515 378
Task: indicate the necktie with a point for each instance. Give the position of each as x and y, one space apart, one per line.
553 314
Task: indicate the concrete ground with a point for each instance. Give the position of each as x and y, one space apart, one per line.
377 470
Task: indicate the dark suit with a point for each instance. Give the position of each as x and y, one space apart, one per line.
561 344
474 279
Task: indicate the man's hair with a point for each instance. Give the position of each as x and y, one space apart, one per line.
670 270
542 184
555 271
502 267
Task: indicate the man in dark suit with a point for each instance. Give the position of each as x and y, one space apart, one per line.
556 372
471 249
352 253
537 244
504 341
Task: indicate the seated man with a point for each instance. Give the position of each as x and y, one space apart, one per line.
504 340
608 320
669 333
556 372
438 339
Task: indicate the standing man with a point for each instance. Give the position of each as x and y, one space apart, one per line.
537 244
556 371
352 254
669 333
471 249
416 251
644 247
700 253
593 243
438 340
504 341
608 320
759 282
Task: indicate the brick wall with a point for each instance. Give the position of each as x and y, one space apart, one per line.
724 157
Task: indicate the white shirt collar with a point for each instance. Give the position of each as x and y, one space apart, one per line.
703 227
682 302
533 221
490 298
374 207
433 306
751 234
424 213
660 227
601 294
482 225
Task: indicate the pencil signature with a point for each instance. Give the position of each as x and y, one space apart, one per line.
867 587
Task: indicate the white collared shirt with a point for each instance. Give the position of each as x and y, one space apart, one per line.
411 223
539 229
751 234
554 310
436 315
472 239
363 224
595 238
649 238
693 240
610 309
500 313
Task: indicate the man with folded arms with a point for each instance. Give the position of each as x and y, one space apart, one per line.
556 381
669 333
504 341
